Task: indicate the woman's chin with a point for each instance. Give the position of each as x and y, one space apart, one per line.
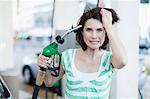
94 46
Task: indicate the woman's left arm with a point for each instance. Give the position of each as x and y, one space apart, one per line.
119 56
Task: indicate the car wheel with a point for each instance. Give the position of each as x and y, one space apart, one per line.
27 75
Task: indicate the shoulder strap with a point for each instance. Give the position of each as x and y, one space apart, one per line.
67 57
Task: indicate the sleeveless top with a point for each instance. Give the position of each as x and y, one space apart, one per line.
81 85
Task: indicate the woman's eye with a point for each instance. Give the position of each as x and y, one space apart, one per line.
88 30
91 30
99 30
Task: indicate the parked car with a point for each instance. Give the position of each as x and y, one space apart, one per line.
30 70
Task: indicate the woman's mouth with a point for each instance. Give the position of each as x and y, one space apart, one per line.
94 42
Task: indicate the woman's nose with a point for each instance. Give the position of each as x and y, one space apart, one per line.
94 34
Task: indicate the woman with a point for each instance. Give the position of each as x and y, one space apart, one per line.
89 69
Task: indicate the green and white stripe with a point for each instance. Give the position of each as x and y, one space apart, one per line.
97 85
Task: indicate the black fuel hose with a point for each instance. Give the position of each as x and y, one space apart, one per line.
35 92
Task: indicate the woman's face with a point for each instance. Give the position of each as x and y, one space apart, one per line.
93 34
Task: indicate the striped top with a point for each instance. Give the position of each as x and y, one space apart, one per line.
81 85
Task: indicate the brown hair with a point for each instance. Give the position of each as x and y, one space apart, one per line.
95 14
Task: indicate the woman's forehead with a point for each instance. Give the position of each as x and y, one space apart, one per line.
93 23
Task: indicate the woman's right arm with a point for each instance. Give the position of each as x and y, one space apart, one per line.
42 61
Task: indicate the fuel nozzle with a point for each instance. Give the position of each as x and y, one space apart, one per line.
59 39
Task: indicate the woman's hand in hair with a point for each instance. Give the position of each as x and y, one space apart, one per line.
106 18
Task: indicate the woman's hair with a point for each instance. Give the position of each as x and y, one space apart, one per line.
95 14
